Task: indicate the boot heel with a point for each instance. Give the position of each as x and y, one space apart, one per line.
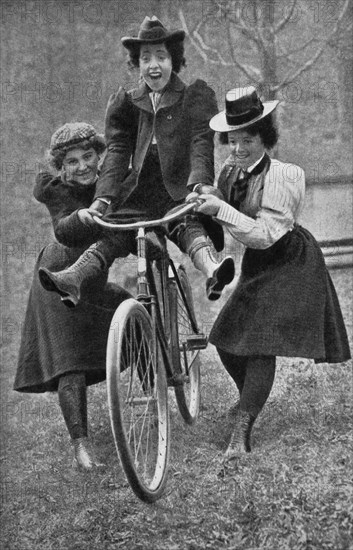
240 439
222 276
84 458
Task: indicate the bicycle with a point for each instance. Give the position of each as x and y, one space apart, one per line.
153 344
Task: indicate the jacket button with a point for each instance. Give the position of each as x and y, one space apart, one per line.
169 117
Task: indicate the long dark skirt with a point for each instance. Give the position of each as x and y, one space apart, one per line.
57 340
285 304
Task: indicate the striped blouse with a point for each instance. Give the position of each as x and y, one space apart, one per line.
273 203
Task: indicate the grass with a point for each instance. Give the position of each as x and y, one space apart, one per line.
292 492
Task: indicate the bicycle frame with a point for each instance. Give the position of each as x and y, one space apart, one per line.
148 297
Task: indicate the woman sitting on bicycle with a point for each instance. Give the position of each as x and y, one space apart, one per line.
162 129
285 303
64 350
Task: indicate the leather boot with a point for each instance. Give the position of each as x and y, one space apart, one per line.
85 458
240 439
219 274
68 282
222 276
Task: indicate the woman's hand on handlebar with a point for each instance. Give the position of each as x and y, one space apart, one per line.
192 197
205 189
208 204
86 215
208 199
97 208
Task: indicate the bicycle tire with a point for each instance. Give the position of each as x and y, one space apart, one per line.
185 362
138 400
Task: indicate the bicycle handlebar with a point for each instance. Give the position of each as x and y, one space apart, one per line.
174 215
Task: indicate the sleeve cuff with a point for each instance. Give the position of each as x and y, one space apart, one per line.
228 214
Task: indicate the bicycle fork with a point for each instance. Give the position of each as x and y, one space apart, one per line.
149 299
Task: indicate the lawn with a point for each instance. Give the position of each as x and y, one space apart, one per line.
292 492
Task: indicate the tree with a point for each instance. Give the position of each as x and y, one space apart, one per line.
265 28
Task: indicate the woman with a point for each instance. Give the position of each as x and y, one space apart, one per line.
285 303
162 129
63 350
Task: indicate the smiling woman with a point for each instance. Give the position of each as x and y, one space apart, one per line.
155 65
284 303
63 350
81 166
159 147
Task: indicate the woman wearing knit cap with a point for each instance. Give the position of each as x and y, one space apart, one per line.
160 147
63 350
284 303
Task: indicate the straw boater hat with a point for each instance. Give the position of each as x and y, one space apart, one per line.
243 108
152 31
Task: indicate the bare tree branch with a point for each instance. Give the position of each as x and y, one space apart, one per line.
265 44
200 45
253 33
205 47
288 54
288 78
285 19
198 42
251 75
193 42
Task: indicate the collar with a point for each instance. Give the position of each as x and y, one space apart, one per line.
251 168
256 168
141 96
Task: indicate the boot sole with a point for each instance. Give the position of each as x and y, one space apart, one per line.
49 285
222 277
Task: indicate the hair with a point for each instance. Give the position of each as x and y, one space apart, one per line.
56 157
175 49
265 128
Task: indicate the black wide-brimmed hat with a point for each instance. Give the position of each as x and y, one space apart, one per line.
152 31
243 108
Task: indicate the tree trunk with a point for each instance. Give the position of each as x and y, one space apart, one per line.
269 54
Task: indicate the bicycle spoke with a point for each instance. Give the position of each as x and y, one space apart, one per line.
140 419
184 359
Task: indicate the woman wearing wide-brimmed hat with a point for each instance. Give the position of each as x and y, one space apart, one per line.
64 350
284 303
160 146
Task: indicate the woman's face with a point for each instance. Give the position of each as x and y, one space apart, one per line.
155 65
81 165
246 149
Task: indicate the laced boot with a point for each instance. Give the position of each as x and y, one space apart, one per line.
240 439
68 282
85 458
219 274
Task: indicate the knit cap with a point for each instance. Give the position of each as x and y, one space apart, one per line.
71 133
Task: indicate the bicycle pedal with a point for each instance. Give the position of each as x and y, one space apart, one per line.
196 341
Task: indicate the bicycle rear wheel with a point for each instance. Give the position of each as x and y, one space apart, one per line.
138 400
185 360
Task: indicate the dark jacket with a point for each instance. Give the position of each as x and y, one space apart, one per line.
184 138
57 340
63 202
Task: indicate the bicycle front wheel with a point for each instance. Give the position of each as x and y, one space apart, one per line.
185 360
138 400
